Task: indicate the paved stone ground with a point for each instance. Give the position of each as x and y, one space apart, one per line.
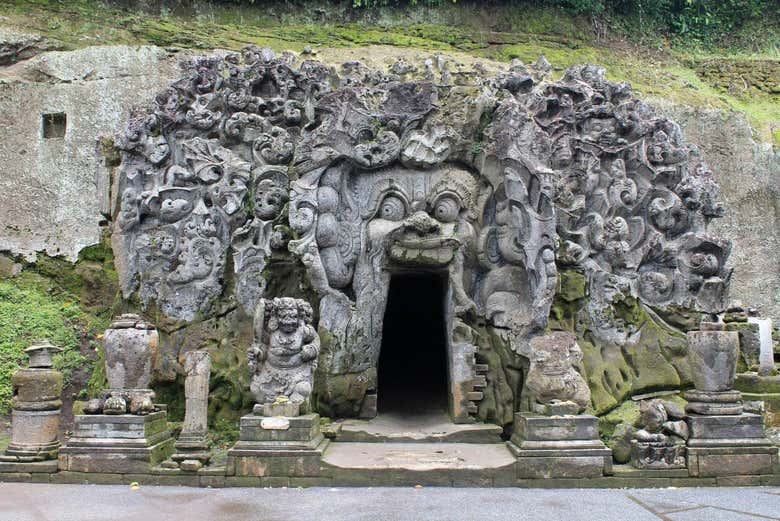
39 502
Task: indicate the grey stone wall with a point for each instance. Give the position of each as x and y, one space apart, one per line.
49 196
52 189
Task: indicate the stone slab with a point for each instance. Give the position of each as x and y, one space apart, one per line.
744 425
726 461
120 460
46 467
251 460
433 427
532 427
256 428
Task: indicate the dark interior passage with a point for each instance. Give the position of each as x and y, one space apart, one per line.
413 361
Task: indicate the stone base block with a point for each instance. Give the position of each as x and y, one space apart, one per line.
732 461
34 436
531 427
559 447
280 431
657 455
38 467
277 446
246 460
117 460
742 429
117 443
729 445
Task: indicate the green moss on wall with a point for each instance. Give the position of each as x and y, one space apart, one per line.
32 307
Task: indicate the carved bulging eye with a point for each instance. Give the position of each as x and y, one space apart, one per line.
447 209
392 208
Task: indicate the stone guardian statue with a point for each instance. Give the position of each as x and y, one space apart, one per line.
283 355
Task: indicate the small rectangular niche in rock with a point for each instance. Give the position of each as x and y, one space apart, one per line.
36 403
124 430
280 437
724 440
554 440
192 449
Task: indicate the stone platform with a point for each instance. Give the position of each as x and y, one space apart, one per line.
122 443
430 427
443 464
559 447
729 445
277 446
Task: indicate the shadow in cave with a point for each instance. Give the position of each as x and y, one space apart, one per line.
412 375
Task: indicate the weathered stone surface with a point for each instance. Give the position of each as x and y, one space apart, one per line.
386 177
131 347
197 368
555 387
49 197
559 447
16 46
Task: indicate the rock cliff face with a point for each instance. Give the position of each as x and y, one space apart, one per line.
60 191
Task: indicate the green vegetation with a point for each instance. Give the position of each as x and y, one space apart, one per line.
32 307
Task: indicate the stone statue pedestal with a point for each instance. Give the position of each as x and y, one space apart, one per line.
725 445
122 443
657 455
277 445
559 447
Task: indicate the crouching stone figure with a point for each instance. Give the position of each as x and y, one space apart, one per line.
283 355
554 385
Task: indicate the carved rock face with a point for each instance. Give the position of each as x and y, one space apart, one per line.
491 182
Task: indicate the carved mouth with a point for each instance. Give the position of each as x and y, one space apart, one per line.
428 251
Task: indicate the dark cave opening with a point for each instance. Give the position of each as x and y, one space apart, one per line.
412 373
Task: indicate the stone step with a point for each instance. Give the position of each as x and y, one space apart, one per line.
420 463
433 428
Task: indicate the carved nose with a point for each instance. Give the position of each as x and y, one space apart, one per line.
422 223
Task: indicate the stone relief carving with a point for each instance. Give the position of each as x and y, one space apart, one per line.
493 183
283 355
554 384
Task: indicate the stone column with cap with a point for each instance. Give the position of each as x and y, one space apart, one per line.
35 416
192 446
723 440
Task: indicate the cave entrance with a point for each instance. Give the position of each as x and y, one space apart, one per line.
412 372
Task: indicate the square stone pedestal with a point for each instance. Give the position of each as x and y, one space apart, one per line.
559 447
729 445
122 443
277 446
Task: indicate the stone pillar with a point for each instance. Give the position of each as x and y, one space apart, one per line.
723 439
35 418
192 446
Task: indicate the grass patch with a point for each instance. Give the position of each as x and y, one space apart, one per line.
33 308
